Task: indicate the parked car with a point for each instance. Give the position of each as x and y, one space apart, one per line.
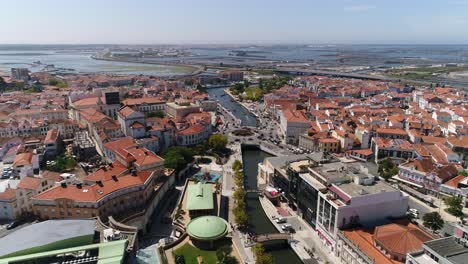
281 220
12 225
413 213
286 227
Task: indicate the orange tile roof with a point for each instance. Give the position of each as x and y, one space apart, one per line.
364 152
8 194
424 165
191 130
30 183
94 192
454 182
23 159
92 101
106 173
126 111
433 140
143 157
364 241
400 239
393 131
295 116
51 136
119 143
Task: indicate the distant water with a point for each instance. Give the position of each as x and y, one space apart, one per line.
78 57
72 59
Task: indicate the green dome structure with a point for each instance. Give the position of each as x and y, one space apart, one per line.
207 228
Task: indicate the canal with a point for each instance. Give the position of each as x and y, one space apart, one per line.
258 221
247 118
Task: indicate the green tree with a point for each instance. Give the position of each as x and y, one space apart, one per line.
218 142
241 218
387 169
239 194
178 157
200 149
58 82
237 165
239 178
463 172
261 257
455 206
433 221
223 255
62 164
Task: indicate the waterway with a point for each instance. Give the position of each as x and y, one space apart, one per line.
76 59
246 117
258 221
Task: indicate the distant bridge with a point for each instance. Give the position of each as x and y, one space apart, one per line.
253 191
271 237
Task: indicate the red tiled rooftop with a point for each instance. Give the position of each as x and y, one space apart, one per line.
400 239
94 192
106 173
393 131
51 136
30 183
8 194
23 159
454 182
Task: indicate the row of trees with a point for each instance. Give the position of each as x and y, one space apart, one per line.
240 208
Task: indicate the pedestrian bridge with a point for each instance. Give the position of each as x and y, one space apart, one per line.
271 237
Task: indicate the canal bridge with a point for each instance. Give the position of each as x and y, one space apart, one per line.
271 237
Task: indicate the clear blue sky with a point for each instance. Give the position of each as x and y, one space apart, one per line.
240 21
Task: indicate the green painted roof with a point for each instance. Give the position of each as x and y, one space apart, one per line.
199 197
109 253
207 228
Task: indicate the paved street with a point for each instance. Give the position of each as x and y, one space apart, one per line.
304 238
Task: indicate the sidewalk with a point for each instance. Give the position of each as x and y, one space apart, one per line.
227 179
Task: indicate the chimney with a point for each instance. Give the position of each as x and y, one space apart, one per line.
111 165
99 183
114 177
63 184
134 173
104 168
79 185
146 152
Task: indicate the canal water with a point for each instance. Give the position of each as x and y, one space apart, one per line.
258 221
247 118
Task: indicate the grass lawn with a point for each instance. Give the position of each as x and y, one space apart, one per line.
191 253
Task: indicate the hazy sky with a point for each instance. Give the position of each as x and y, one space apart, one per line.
233 21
